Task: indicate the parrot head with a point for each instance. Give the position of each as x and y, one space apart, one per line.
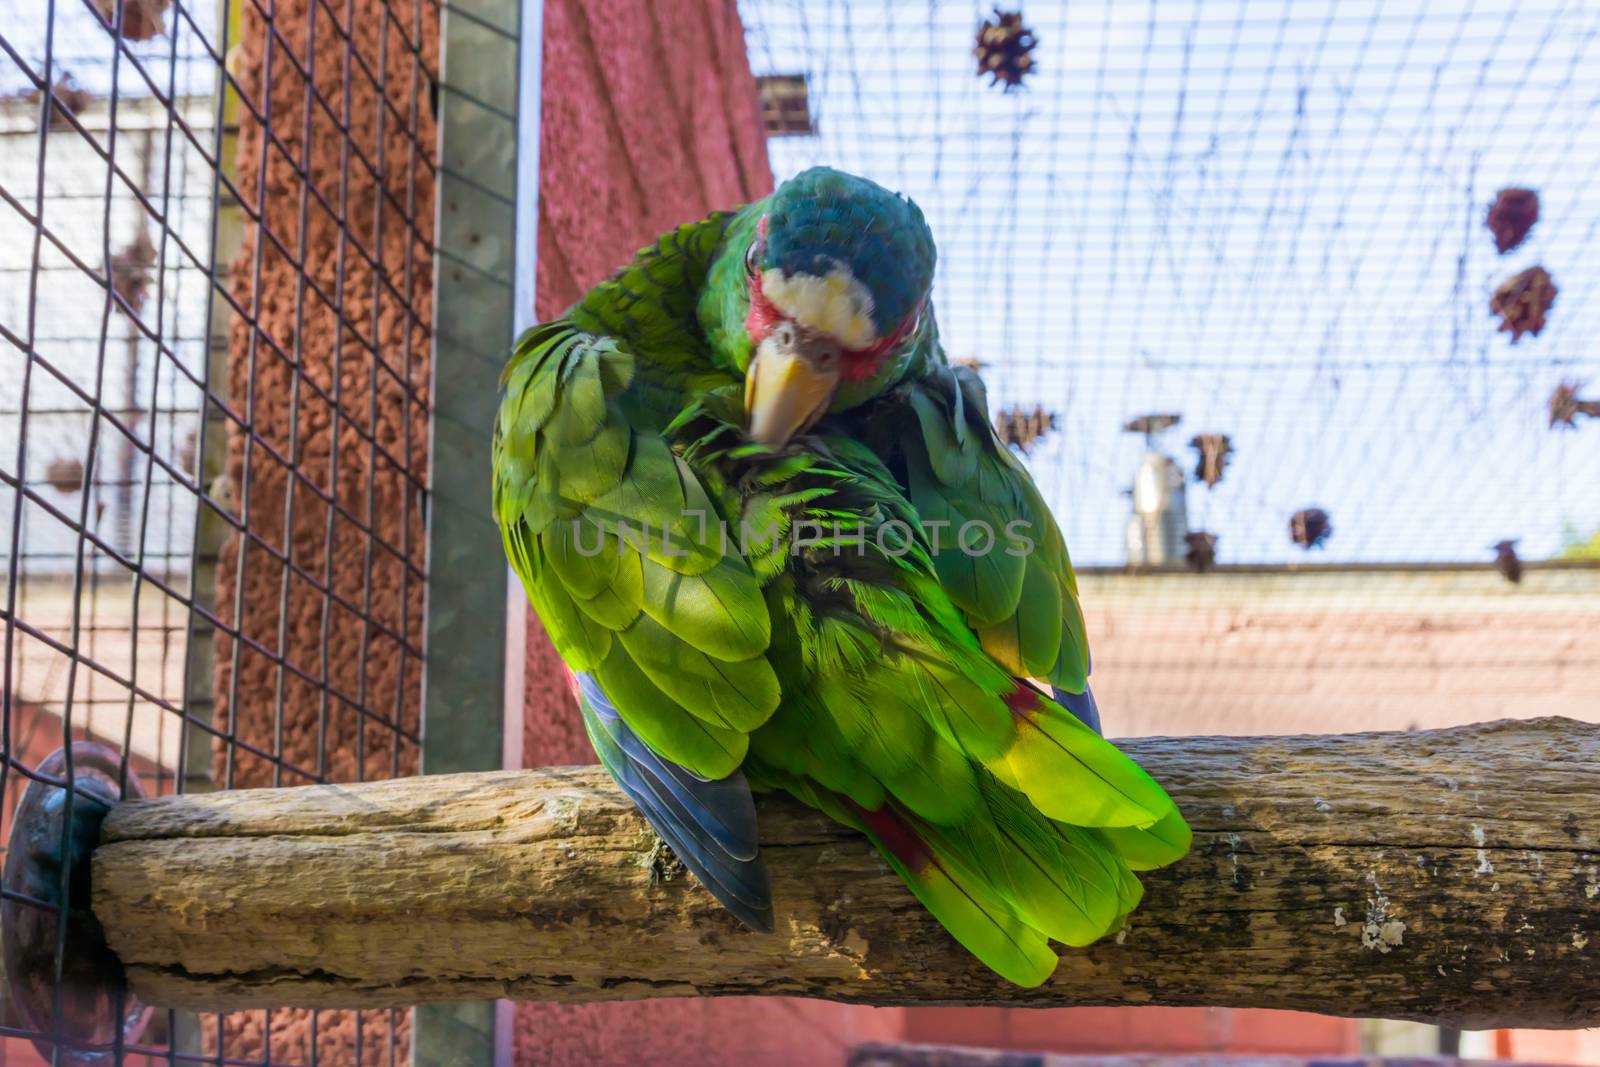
820 298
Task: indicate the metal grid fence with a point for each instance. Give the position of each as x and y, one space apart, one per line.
216 270
1267 216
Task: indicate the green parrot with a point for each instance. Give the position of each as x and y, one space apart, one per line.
771 530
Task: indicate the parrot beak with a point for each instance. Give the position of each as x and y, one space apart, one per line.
789 383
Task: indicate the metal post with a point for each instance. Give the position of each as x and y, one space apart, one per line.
485 238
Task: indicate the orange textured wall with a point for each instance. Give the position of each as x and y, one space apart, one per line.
329 371
328 374
1136 1030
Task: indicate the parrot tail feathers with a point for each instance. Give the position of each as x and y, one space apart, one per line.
1082 705
710 824
1060 762
964 903
1144 848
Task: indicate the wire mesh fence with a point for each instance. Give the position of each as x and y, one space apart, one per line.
1269 219
216 257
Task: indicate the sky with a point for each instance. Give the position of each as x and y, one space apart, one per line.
80 48
1267 216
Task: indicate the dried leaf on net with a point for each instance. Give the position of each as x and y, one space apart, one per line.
1511 216
131 272
1213 449
1202 554
1566 405
1151 424
187 452
1310 527
972 363
65 474
1522 300
71 98
1506 561
1004 49
1021 427
142 20
68 100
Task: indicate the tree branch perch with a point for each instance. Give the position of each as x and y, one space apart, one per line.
1451 876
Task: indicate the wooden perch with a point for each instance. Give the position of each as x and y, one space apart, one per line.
1451 876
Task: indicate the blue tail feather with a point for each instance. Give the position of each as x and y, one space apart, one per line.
710 824
723 876
723 806
676 823
1082 705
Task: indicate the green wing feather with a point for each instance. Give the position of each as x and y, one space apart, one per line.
1021 596
622 555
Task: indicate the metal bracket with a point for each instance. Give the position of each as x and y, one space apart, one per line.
53 832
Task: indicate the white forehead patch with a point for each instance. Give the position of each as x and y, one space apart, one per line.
837 304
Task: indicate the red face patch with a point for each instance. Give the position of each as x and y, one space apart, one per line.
1023 700
860 364
764 315
897 835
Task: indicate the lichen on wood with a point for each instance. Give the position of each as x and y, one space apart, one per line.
1450 876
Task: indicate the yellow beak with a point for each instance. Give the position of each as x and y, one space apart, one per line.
787 390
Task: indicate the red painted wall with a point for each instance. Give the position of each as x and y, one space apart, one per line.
650 119
1135 1030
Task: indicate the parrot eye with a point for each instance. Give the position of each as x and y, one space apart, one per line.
752 256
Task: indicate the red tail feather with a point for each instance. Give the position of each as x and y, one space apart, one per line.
896 834
1023 699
